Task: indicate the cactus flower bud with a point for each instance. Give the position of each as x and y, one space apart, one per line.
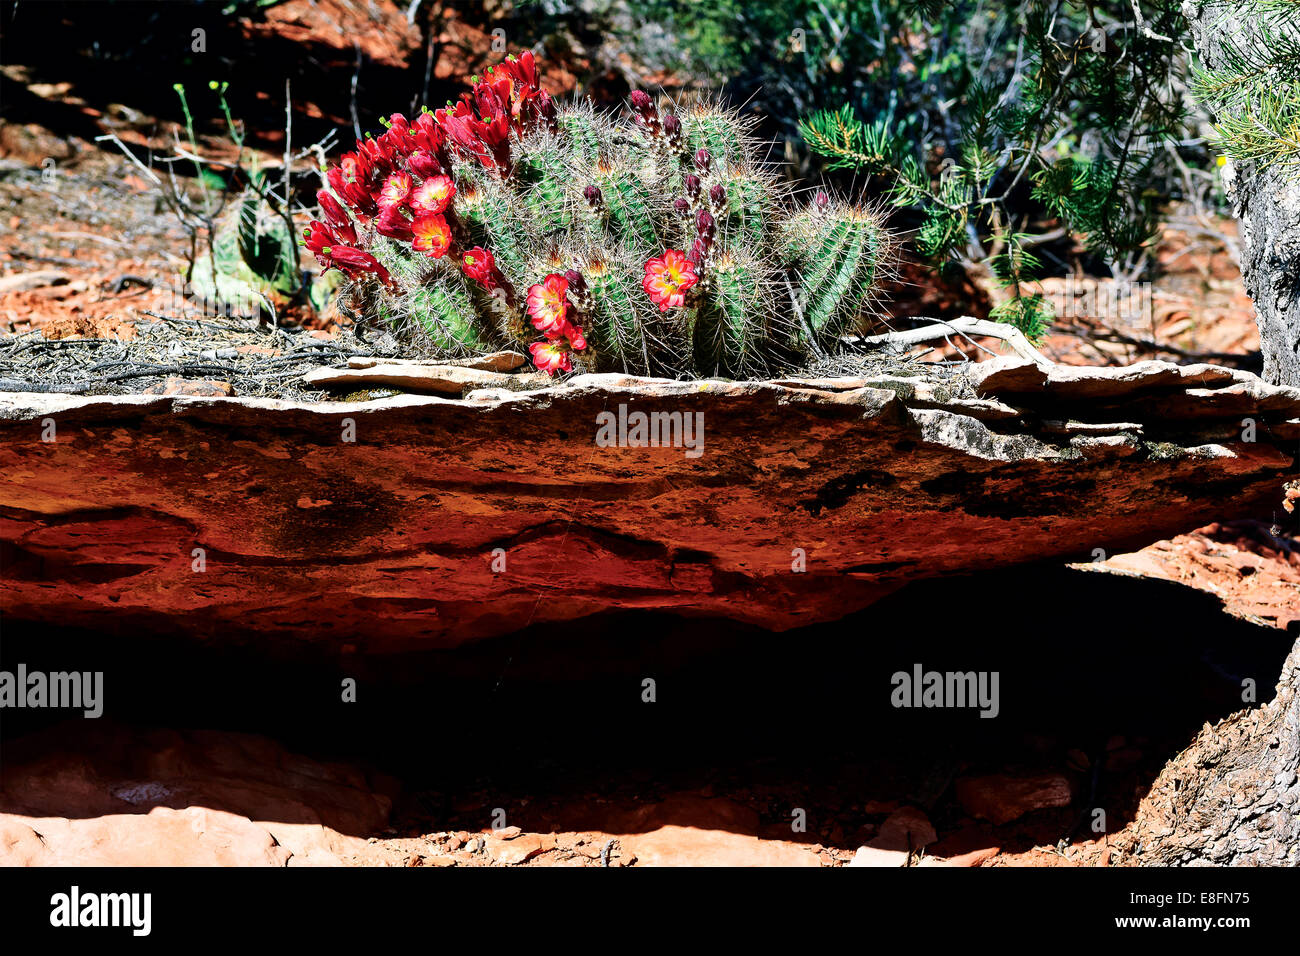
703 160
703 245
673 133
576 282
578 288
646 113
693 187
718 196
594 196
546 112
823 201
682 207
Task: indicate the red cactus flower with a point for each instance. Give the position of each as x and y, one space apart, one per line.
493 126
429 157
392 222
481 266
354 261
350 167
567 330
317 237
424 164
433 195
331 209
523 92
400 137
337 218
546 113
550 357
459 124
380 154
548 302
502 87
523 70
428 134
396 191
432 236
667 278
332 254
486 139
348 180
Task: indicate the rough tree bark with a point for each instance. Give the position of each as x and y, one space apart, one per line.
1233 796
1267 204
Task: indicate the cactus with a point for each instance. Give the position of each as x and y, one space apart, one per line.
655 242
253 259
837 250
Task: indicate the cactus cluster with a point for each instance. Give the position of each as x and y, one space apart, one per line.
657 242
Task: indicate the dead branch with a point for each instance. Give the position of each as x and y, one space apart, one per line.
967 326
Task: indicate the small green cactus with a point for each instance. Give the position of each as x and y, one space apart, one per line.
657 242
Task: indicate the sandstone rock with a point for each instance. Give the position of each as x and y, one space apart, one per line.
871 856
36 279
1008 375
495 362
32 144
1011 376
690 830
672 845
906 830
106 796
973 858
1000 798
174 385
194 836
86 327
514 850
447 379
1253 581
395 547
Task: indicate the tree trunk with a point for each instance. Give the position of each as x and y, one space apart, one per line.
1233 796
1267 204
